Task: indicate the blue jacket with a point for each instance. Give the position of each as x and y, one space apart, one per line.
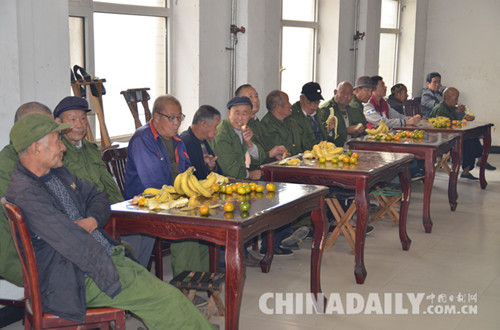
148 162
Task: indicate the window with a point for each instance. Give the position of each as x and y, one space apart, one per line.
299 27
126 44
389 37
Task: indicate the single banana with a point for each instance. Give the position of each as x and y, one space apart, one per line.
178 185
337 150
193 181
169 189
331 117
185 185
193 201
209 181
151 191
221 178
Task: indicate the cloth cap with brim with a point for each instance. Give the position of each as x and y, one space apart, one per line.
312 91
71 103
32 128
364 81
239 100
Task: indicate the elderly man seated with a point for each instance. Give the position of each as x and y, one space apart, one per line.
79 265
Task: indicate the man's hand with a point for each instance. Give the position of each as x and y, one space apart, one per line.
331 124
255 174
89 224
413 120
247 135
460 108
355 129
277 152
210 160
469 117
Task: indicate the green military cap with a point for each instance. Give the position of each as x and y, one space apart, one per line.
32 128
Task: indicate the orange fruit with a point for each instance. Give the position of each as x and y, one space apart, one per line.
241 190
247 187
222 188
204 210
229 207
259 188
355 155
322 160
347 160
215 187
234 186
252 185
229 189
245 206
353 160
239 183
271 187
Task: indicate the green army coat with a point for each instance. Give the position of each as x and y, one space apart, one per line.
354 115
230 151
443 110
306 130
86 163
10 267
286 132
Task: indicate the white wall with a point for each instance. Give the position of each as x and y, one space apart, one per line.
462 45
34 56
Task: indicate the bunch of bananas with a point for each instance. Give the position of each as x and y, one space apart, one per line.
381 129
323 149
187 184
439 121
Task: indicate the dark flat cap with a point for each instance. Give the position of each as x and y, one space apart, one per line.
239 100
71 103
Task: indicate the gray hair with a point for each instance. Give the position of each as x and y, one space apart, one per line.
161 101
31 107
273 100
205 113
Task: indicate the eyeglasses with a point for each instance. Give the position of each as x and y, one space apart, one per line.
173 118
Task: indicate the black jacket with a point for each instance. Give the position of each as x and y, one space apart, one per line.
64 251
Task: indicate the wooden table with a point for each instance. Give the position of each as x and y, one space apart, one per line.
373 167
429 148
268 211
472 129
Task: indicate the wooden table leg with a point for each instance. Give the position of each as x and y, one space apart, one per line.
404 178
362 209
484 157
235 278
428 182
265 263
319 223
456 158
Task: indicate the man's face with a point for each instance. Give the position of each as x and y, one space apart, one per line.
210 128
78 121
380 90
363 94
402 95
452 99
239 115
308 106
252 94
435 84
343 95
286 108
51 151
168 119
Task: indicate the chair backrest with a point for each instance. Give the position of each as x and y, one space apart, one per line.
413 107
116 161
22 240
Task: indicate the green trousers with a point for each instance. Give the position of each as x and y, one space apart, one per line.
189 255
158 304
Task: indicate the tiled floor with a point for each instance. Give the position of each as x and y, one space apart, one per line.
461 256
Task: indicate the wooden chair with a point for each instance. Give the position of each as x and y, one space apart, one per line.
388 199
34 317
343 224
191 282
116 161
413 107
132 97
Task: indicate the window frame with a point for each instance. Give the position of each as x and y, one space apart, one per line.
397 33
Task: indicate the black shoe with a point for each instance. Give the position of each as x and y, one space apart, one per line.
488 166
369 229
278 251
468 176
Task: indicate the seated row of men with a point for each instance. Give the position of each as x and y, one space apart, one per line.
59 199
